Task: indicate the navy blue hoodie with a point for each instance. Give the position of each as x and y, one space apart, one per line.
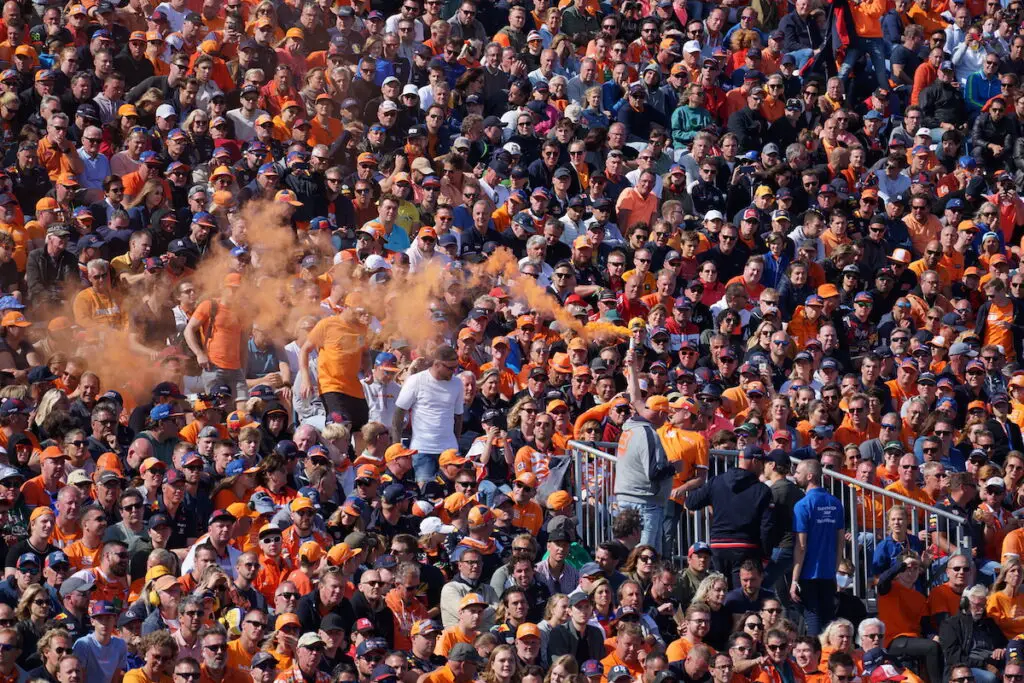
742 509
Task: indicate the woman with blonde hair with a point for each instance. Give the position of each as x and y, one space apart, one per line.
52 400
602 597
502 666
150 199
1006 600
158 651
711 592
556 613
33 611
838 636
562 670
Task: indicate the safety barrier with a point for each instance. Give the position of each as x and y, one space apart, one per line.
866 507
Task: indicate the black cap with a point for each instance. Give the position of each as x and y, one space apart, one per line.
493 121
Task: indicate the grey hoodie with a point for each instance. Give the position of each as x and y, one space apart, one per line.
643 473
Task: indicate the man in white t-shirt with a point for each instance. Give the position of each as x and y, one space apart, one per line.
435 397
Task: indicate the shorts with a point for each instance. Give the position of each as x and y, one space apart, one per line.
232 378
355 409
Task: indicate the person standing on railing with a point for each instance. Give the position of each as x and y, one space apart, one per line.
742 525
643 476
820 533
682 443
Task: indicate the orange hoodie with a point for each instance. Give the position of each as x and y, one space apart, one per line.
867 17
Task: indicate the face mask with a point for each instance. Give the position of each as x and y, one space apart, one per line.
843 581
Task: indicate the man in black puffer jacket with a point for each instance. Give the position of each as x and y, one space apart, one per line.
741 526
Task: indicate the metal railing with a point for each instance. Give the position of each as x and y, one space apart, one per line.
866 507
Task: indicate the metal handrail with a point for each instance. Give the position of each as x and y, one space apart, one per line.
594 476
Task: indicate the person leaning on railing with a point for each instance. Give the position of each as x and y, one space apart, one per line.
904 610
973 638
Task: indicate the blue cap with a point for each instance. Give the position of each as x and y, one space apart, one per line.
955 203
204 217
239 251
618 672
268 168
57 557
753 452
235 467
286 448
699 547
147 156
967 162
264 391
873 115
386 360
312 494
9 303
13 406
26 559
162 412
320 223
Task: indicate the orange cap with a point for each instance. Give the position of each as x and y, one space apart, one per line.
342 553
559 500
528 479
456 502
137 35
480 515
472 600
560 363
396 451
527 630
301 503
582 242
52 453
311 552
47 204
578 344
295 33
557 404
367 472
827 291
657 403
127 110
287 619
152 36
450 457
109 461
14 319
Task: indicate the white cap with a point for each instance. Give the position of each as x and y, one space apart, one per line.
411 90
462 141
513 149
433 525
714 215
995 481
391 79
165 111
376 262
691 46
923 131
534 35
388 105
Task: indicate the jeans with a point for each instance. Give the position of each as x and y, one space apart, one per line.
673 513
425 466
924 650
232 378
802 56
651 515
818 596
984 676
874 48
777 574
695 10
488 490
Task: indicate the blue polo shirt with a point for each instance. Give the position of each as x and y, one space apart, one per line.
819 514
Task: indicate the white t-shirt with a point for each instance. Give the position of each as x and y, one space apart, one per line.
434 405
175 19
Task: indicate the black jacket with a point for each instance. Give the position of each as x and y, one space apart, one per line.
989 132
799 33
743 508
969 642
941 102
308 612
50 280
750 127
382 619
564 640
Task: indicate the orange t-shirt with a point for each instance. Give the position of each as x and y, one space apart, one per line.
238 657
1013 544
942 600
901 609
690 447
35 494
995 333
635 669
1007 612
83 557
529 517
451 637
678 650
63 540
641 210
341 347
53 160
224 343
190 432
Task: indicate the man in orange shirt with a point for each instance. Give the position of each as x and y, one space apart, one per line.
56 153
682 442
904 387
85 552
856 428
341 345
907 486
471 612
215 335
110 576
273 565
629 642
301 530
41 491
922 225
215 667
527 513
